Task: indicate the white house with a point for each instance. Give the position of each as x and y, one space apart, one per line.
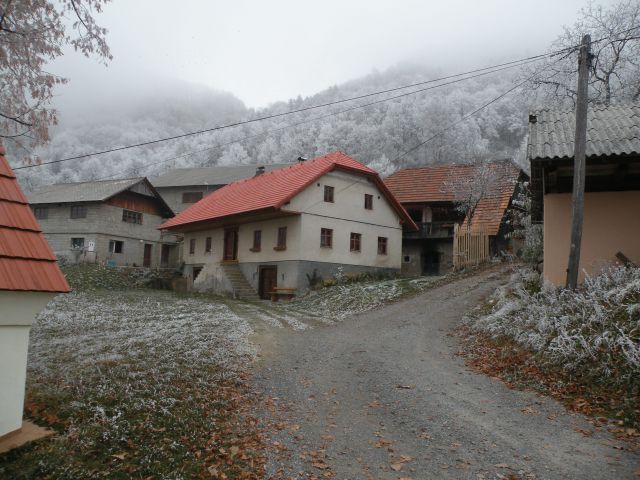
29 278
278 229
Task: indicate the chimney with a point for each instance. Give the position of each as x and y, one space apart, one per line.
259 170
302 159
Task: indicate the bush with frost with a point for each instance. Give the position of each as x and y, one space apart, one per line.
593 331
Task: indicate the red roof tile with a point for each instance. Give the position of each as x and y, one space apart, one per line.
435 184
26 261
271 190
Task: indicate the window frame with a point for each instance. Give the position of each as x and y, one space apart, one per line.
192 197
77 245
355 242
192 246
281 239
77 212
131 216
368 201
208 244
326 238
41 213
384 243
257 241
115 244
329 194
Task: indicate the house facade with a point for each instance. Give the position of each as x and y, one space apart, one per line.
182 187
611 224
431 196
114 221
282 228
29 279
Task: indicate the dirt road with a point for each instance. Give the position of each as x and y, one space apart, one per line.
383 396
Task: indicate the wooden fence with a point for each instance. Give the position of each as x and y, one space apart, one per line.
470 246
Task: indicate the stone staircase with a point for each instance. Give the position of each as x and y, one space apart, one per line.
241 287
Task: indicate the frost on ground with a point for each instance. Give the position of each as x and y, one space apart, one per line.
581 346
332 304
136 383
596 327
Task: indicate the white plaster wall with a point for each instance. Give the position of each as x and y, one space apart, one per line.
17 311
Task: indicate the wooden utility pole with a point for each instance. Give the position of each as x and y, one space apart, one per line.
579 163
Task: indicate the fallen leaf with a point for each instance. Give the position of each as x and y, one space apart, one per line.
119 456
406 387
396 466
501 465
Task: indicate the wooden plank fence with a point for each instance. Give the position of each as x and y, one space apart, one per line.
470 246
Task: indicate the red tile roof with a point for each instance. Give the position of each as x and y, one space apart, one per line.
434 184
271 190
26 261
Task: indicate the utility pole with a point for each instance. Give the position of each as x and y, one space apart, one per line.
579 163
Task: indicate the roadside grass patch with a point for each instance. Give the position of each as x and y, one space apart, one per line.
138 384
580 346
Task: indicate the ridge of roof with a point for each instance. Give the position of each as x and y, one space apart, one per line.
26 260
271 190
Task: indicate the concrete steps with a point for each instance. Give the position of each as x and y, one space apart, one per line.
241 287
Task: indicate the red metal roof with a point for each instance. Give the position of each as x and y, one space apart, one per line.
271 190
435 183
26 261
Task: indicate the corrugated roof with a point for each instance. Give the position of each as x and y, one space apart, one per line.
270 191
26 260
82 191
436 183
611 130
216 175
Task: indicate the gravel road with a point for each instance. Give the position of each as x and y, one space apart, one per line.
383 395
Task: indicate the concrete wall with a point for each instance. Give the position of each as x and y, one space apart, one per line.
173 195
416 250
103 223
611 225
18 311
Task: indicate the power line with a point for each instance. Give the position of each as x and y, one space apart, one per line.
314 119
467 116
510 64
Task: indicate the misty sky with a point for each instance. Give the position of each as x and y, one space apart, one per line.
264 51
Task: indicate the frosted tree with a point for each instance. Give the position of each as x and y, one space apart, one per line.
235 154
615 66
32 33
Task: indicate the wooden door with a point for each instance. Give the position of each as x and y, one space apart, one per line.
165 250
146 262
268 281
230 244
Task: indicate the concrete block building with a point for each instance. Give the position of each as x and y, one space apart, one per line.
278 229
112 221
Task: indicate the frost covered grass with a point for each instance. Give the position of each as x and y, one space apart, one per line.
590 336
335 303
137 384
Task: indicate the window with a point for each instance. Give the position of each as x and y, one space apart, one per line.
406 259
116 246
191 197
326 237
77 243
354 243
257 240
207 245
282 239
41 213
192 246
368 201
328 194
130 216
382 245
78 211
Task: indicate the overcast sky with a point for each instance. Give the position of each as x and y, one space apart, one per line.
264 51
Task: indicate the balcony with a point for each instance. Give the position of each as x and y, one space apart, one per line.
431 230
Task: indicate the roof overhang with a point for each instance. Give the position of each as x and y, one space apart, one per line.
231 220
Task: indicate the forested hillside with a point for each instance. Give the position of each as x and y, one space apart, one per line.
375 135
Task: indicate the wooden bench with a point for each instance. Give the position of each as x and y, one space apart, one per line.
287 293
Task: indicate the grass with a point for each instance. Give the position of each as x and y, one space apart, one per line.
138 384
